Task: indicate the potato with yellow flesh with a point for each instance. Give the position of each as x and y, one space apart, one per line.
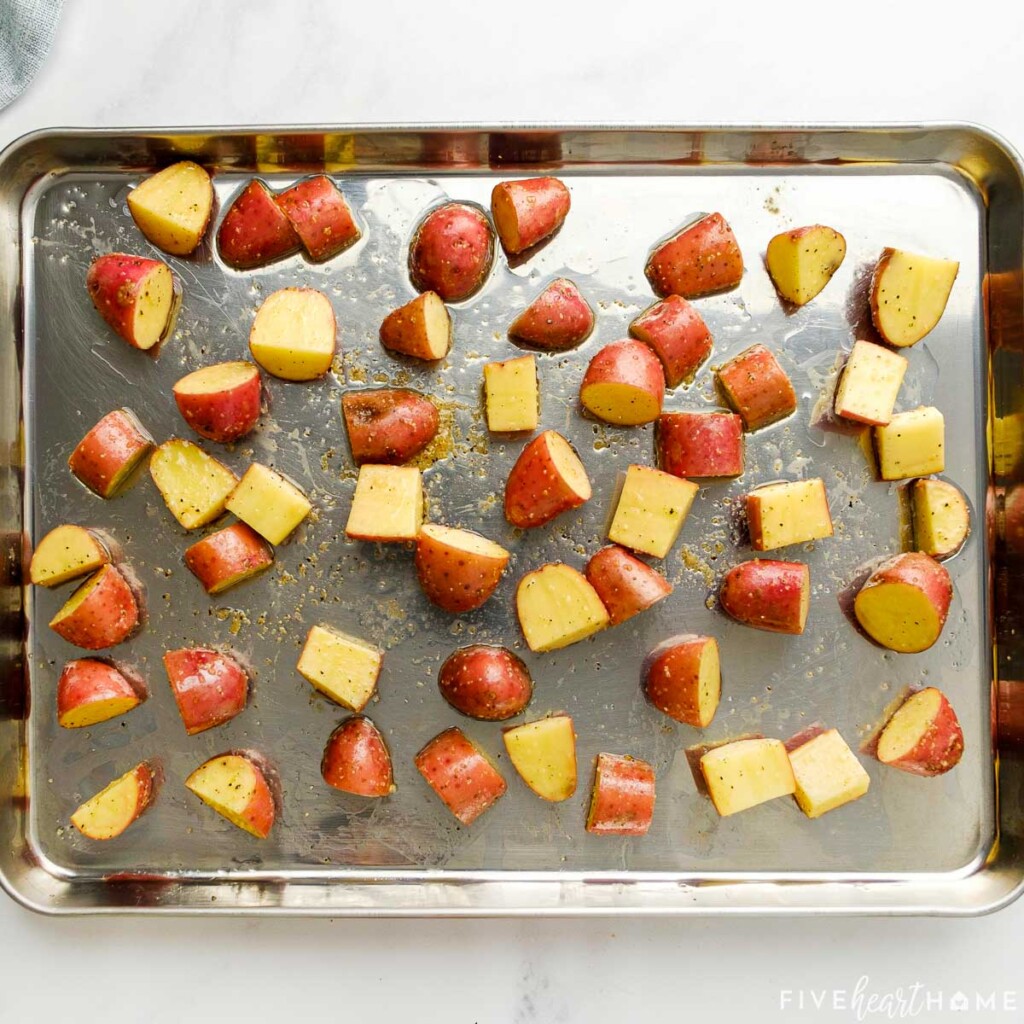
802 261
557 606
340 666
194 485
651 510
293 335
272 505
511 394
90 691
788 513
870 384
114 808
544 754
624 384
135 295
421 329
942 520
235 786
745 773
66 553
387 505
923 737
909 293
682 678
547 480
911 444
827 774
172 207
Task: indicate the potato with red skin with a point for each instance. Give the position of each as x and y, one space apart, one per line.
701 259
528 211
452 252
923 737
134 294
255 230
65 553
221 402
487 683
102 612
547 480
388 426
458 771
625 585
557 320
228 557
768 594
356 759
320 216
209 687
622 800
90 691
682 678
107 814
678 336
757 388
624 384
108 454
236 785
700 444
458 569
421 329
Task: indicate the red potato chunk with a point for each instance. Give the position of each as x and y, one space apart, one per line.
91 691
107 456
557 320
924 736
389 426
452 252
209 687
459 772
547 480
625 585
228 557
622 800
757 388
678 336
356 759
221 402
134 295
458 569
700 444
236 786
767 594
422 329
320 217
65 553
255 230
701 259
102 612
107 814
527 212
487 683
682 678
624 384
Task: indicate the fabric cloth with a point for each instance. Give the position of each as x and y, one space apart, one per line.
26 31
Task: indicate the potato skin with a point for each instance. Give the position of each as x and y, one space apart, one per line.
700 444
487 683
105 457
535 492
107 616
557 320
456 580
223 416
389 426
631 364
228 556
209 687
459 773
757 387
625 585
677 334
622 800
767 594
86 681
671 677
452 251
940 747
528 211
113 282
356 759
255 230
701 259
320 216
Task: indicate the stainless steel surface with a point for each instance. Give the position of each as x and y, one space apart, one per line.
910 845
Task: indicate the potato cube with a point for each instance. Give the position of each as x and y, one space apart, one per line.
827 774
511 394
788 513
911 444
870 383
388 504
270 504
746 773
340 666
651 510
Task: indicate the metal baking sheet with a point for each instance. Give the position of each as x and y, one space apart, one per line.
942 845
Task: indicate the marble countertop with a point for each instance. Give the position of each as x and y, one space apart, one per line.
117 62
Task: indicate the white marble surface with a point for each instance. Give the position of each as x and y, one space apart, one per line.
116 62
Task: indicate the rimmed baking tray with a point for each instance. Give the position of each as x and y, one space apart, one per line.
949 845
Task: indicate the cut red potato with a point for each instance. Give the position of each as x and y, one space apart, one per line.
389 426
511 395
108 454
802 261
461 774
194 485
547 480
870 384
209 687
757 388
451 252
544 755
458 569
904 603
624 384
788 513
557 606
625 585
924 736
827 774
91 691
422 328
651 510
745 773
116 806
487 683
622 800
102 612
356 759
228 557
220 402
557 320
387 505
767 594
911 444
340 666
293 334
909 293
268 502
527 212
320 217
700 444
255 230
942 520
682 678
701 259
678 336
172 207
135 296
235 786
66 553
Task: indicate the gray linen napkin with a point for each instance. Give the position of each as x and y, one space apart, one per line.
26 31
